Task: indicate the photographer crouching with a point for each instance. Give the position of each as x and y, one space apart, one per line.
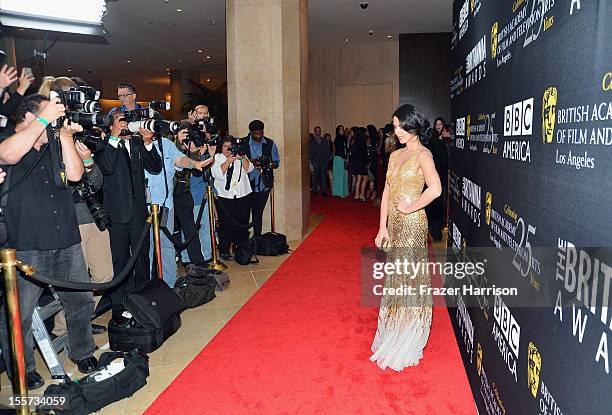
230 171
264 154
42 225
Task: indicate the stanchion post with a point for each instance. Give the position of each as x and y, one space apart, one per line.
157 239
8 262
272 225
215 264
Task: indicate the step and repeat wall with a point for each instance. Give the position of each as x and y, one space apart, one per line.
531 173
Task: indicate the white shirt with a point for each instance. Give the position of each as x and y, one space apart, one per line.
240 185
115 143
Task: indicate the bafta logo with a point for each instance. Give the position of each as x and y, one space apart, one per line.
534 365
472 6
489 203
478 358
467 127
549 114
494 40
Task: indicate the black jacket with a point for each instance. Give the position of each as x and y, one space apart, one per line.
124 182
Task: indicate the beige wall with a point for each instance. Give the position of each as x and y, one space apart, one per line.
361 70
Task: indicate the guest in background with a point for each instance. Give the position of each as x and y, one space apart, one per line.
319 158
372 155
330 163
389 146
352 178
436 131
340 181
435 210
359 157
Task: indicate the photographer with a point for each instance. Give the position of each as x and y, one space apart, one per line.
230 172
187 205
198 184
123 162
264 153
161 189
42 226
126 93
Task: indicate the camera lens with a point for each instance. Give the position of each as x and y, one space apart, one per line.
91 106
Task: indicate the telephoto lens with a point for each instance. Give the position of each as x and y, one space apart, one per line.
88 120
91 106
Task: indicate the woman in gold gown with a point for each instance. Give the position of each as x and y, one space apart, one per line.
404 320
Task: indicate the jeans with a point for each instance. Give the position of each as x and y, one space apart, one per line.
66 264
204 234
96 249
168 253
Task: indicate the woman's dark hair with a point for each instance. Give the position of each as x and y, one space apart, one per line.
338 130
412 120
360 134
434 132
373 134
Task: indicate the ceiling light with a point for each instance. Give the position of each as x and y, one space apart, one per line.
168 69
199 50
207 79
128 61
179 10
69 70
347 40
207 57
86 11
213 22
389 36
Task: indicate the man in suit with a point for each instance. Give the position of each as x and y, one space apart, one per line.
123 162
319 159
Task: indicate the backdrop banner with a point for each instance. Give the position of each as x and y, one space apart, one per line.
531 173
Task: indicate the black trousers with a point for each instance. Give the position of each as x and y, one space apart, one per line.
258 204
184 216
233 212
123 239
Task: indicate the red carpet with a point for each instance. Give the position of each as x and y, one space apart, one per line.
301 344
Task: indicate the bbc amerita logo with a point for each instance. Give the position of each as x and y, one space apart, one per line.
475 63
471 197
518 127
460 133
507 334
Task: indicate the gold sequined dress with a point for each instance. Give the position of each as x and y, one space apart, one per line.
404 320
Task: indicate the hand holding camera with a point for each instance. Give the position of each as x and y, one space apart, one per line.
69 129
52 110
147 135
83 150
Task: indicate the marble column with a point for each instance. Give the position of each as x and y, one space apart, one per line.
267 73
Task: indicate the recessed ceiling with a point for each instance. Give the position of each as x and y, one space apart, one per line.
153 36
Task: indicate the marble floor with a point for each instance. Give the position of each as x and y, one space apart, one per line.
199 326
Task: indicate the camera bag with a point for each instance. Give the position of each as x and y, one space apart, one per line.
272 244
195 290
90 395
155 310
244 252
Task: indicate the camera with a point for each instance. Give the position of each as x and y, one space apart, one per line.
238 147
92 140
364 5
196 133
264 163
159 105
139 114
86 191
157 126
81 107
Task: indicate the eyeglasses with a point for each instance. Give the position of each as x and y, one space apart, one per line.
124 95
